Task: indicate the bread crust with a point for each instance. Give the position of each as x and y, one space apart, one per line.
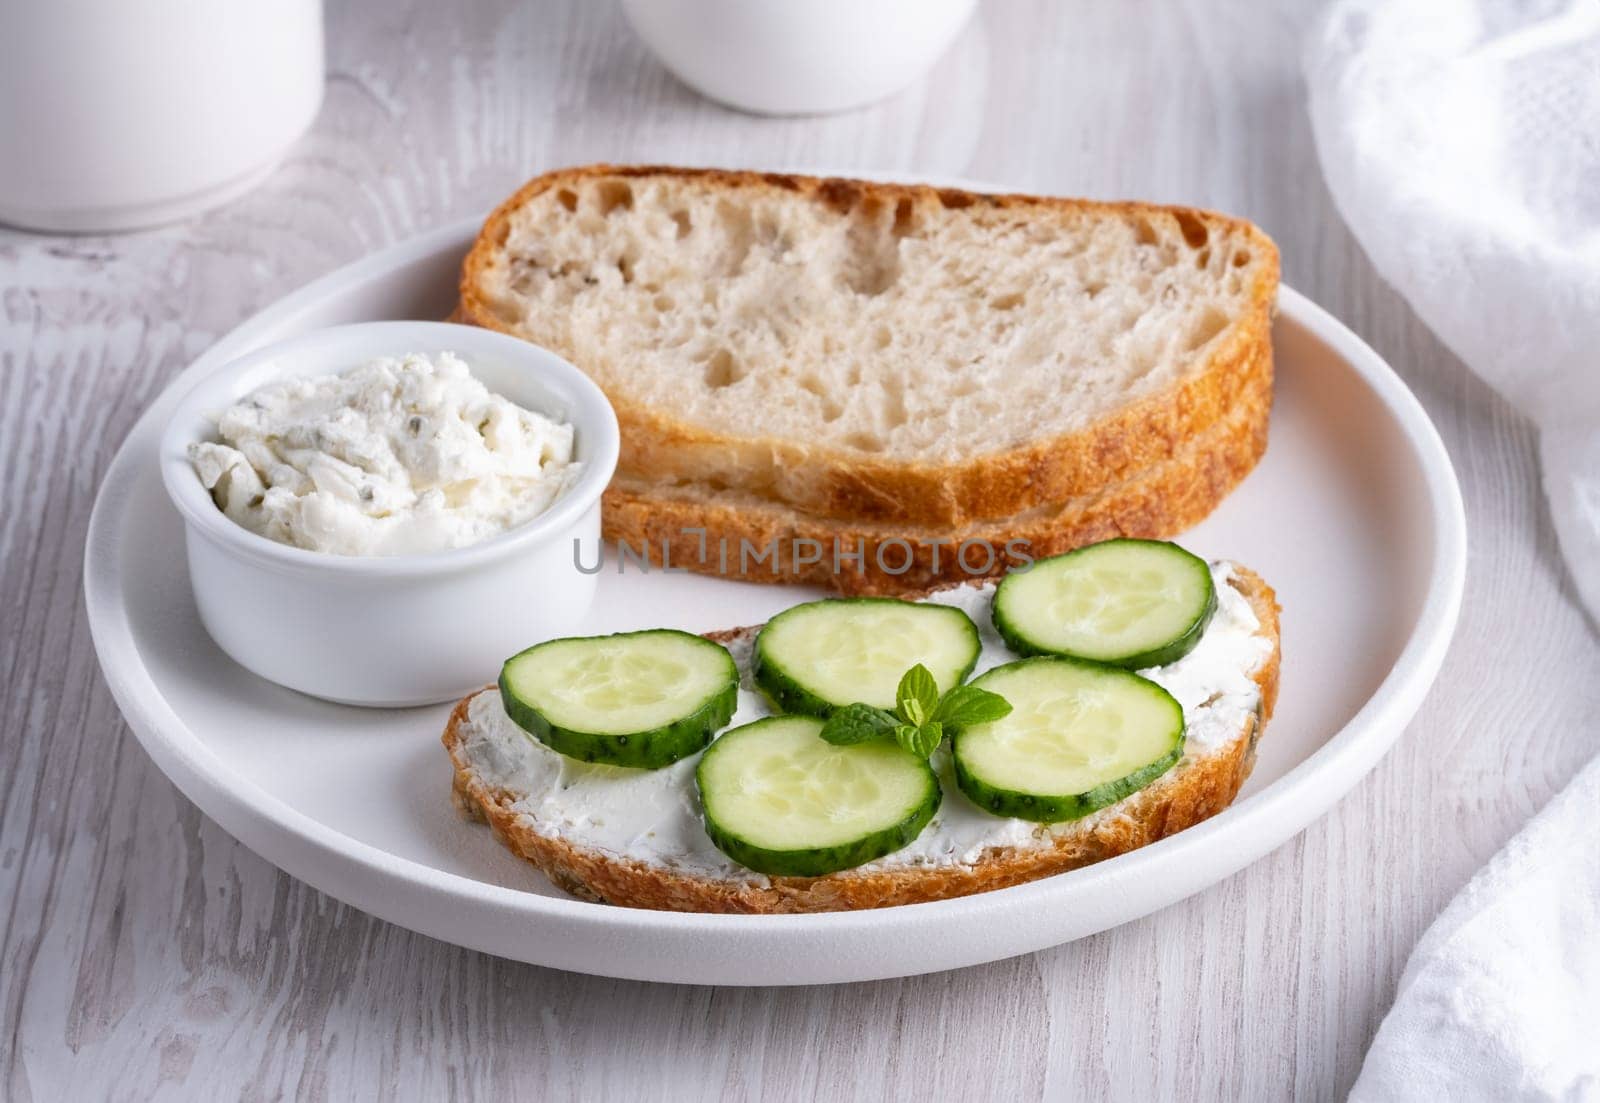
1195 790
687 529
834 484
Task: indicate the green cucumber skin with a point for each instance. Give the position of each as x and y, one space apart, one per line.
825 860
642 751
1143 660
786 695
789 696
1043 809
649 750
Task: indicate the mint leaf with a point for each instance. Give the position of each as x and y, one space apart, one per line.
856 724
966 706
920 719
917 696
920 740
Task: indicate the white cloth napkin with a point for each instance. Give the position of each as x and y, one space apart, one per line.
1461 142
1498 1001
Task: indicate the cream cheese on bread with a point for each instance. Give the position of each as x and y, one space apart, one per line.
653 816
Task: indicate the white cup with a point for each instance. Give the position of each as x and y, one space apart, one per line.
119 114
798 57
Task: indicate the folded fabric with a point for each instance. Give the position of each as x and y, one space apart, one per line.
1497 1001
1461 142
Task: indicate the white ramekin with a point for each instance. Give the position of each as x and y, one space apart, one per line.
798 57
392 631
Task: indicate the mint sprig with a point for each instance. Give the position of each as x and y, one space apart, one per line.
920 719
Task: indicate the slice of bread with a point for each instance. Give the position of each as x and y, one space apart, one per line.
504 778
739 535
885 353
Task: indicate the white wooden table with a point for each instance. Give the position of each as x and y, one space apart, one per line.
145 953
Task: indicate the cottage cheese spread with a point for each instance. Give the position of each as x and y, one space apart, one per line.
654 815
395 457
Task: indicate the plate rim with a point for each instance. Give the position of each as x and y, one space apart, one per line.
243 808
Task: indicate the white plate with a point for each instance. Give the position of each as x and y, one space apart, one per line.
1354 516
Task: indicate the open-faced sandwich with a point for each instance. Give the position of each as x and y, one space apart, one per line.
857 753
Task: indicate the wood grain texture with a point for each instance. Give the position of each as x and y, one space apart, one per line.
144 953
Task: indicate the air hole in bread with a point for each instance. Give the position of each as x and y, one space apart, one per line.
1241 258
871 275
864 442
684 224
1195 233
612 195
903 218
894 403
1009 301
883 337
568 199
524 276
625 268
1207 326
871 261
1202 259
663 303
723 370
771 237
954 200
737 230
1144 233
832 410
1093 288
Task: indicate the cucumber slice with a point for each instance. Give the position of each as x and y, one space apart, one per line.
1080 736
641 699
780 801
824 655
1129 603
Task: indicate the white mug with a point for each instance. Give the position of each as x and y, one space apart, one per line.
798 57
120 114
